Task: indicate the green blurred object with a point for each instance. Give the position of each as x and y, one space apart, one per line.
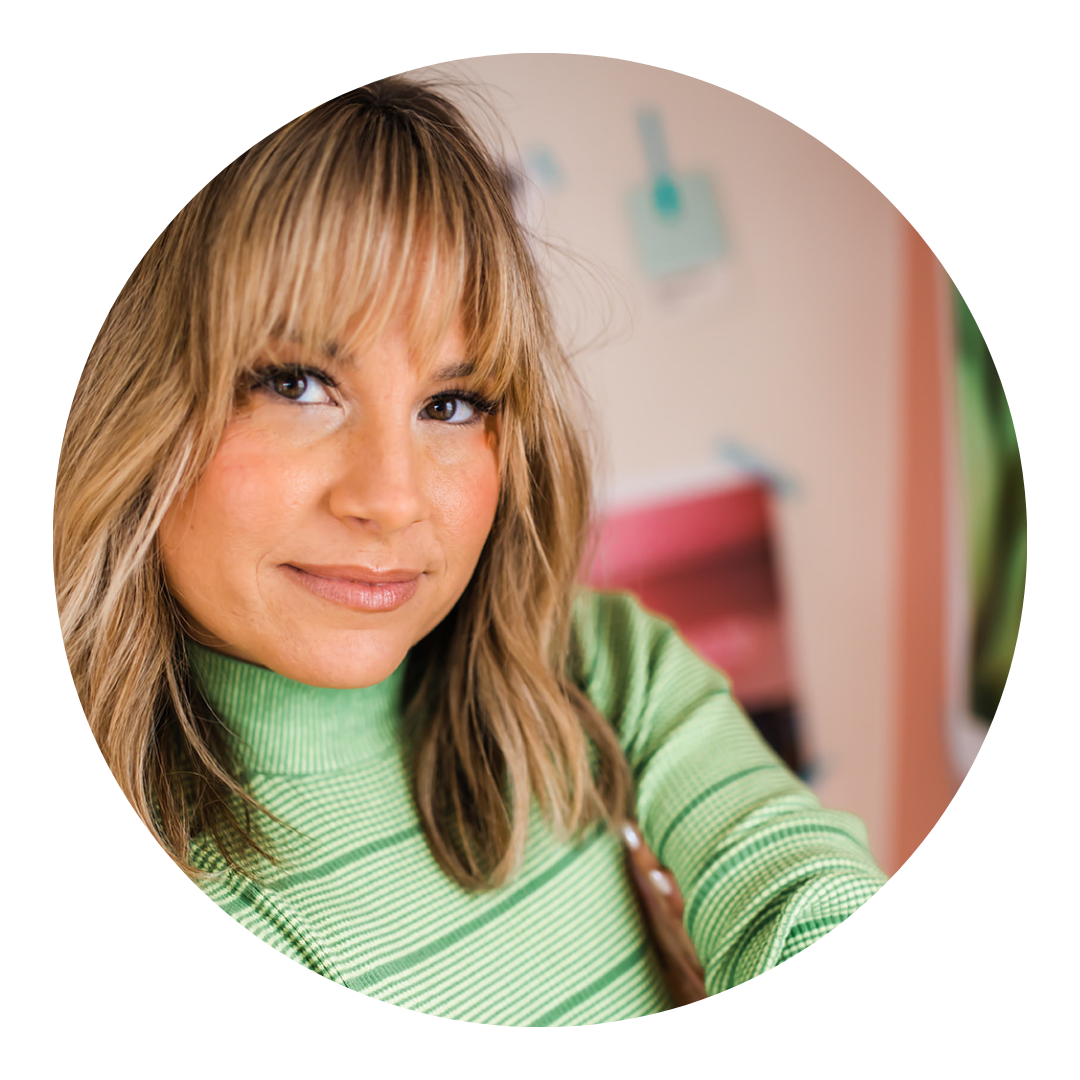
995 512
675 217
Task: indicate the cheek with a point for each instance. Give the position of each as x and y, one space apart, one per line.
249 494
466 493
231 516
483 498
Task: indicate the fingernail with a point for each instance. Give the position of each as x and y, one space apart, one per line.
661 882
631 836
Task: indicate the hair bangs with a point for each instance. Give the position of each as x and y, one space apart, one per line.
385 227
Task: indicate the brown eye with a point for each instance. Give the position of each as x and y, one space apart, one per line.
453 409
441 409
301 385
291 385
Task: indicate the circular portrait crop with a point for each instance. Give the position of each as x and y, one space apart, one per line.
539 540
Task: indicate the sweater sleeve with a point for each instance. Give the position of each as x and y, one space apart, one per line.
764 869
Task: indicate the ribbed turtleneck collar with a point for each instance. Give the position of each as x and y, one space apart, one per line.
283 727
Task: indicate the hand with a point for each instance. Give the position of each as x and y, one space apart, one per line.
662 905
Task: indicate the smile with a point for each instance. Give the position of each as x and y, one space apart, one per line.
357 587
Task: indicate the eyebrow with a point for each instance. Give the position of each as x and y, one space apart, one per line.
461 369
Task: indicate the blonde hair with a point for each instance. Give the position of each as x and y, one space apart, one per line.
378 204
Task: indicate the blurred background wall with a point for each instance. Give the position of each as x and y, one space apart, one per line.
809 350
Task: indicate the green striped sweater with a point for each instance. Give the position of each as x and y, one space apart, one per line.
763 868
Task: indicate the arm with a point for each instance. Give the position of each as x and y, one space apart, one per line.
763 868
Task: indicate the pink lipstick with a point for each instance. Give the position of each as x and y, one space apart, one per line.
356 587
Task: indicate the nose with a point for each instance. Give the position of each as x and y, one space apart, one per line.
378 482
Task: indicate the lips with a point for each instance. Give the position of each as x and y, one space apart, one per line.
358 588
361 574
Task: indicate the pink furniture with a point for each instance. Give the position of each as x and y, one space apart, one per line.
705 562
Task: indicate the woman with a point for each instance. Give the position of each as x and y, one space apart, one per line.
321 508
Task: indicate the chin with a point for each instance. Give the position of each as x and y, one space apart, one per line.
342 665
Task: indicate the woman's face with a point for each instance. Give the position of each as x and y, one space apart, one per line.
343 513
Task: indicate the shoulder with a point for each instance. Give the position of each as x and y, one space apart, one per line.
611 627
606 620
628 656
